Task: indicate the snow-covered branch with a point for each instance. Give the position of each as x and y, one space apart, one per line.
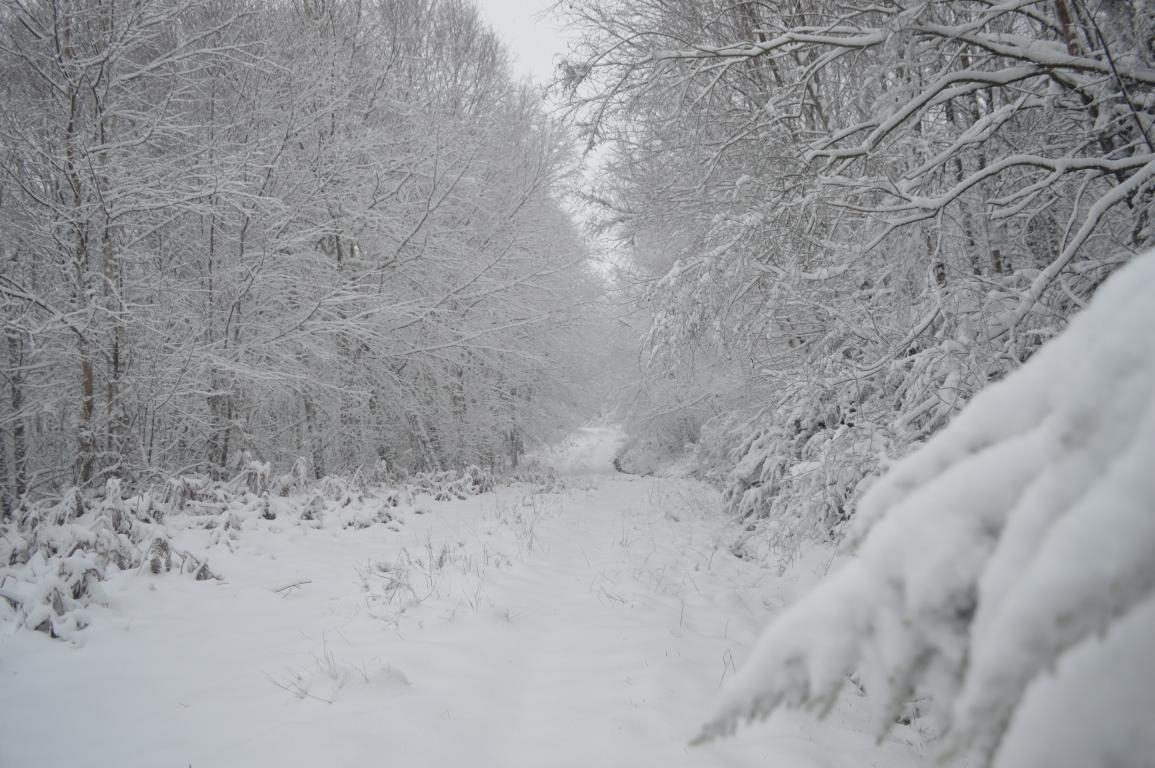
1005 569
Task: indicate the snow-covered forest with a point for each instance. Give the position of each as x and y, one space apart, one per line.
361 399
316 229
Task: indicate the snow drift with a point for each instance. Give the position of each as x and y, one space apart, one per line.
1006 569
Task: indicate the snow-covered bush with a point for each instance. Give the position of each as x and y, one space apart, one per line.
296 479
55 554
451 484
642 456
532 472
477 479
254 476
795 474
1006 569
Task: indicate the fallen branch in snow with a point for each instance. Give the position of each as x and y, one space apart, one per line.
294 585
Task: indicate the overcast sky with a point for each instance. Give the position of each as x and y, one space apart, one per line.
533 41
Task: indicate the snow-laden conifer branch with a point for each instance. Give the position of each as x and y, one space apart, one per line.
1011 552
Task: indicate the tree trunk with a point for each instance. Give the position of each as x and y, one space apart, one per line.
316 444
16 382
513 440
86 447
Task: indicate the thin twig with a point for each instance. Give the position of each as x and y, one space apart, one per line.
294 584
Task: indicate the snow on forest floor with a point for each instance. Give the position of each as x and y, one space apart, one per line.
585 628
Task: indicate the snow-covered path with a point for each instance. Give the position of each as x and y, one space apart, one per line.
588 628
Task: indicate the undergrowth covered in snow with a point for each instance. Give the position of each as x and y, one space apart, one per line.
56 552
1007 569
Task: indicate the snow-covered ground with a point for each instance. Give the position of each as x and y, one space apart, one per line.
585 628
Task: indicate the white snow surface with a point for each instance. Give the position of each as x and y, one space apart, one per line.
584 628
1018 541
